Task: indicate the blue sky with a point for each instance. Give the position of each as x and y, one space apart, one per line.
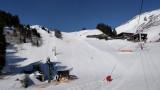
73 15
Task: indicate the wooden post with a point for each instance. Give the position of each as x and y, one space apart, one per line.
42 77
55 53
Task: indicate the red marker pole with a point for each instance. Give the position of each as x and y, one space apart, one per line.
108 78
113 69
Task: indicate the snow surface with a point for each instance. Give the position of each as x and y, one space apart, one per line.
91 60
149 23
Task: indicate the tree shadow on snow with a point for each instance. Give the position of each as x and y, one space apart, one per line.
14 67
12 63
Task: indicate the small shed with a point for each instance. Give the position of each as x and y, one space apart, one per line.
63 73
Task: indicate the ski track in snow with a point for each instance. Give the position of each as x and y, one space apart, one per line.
94 85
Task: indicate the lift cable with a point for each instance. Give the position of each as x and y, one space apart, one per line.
145 76
139 31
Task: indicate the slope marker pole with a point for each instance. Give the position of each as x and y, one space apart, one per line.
113 70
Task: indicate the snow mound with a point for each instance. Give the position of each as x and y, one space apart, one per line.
84 33
38 27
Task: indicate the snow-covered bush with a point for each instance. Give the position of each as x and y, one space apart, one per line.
58 34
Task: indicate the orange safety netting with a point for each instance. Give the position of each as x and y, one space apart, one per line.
126 50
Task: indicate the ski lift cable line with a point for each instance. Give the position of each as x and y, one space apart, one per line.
145 77
139 31
140 14
150 70
145 59
154 64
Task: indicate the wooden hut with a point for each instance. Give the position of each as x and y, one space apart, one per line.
136 37
63 75
124 35
132 36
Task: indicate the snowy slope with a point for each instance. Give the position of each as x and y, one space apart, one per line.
84 33
149 23
91 60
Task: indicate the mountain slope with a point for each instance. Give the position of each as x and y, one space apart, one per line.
91 60
149 23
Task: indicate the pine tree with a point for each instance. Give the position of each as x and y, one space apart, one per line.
8 19
105 29
114 32
2 48
24 39
58 33
28 32
84 28
15 20
14 33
